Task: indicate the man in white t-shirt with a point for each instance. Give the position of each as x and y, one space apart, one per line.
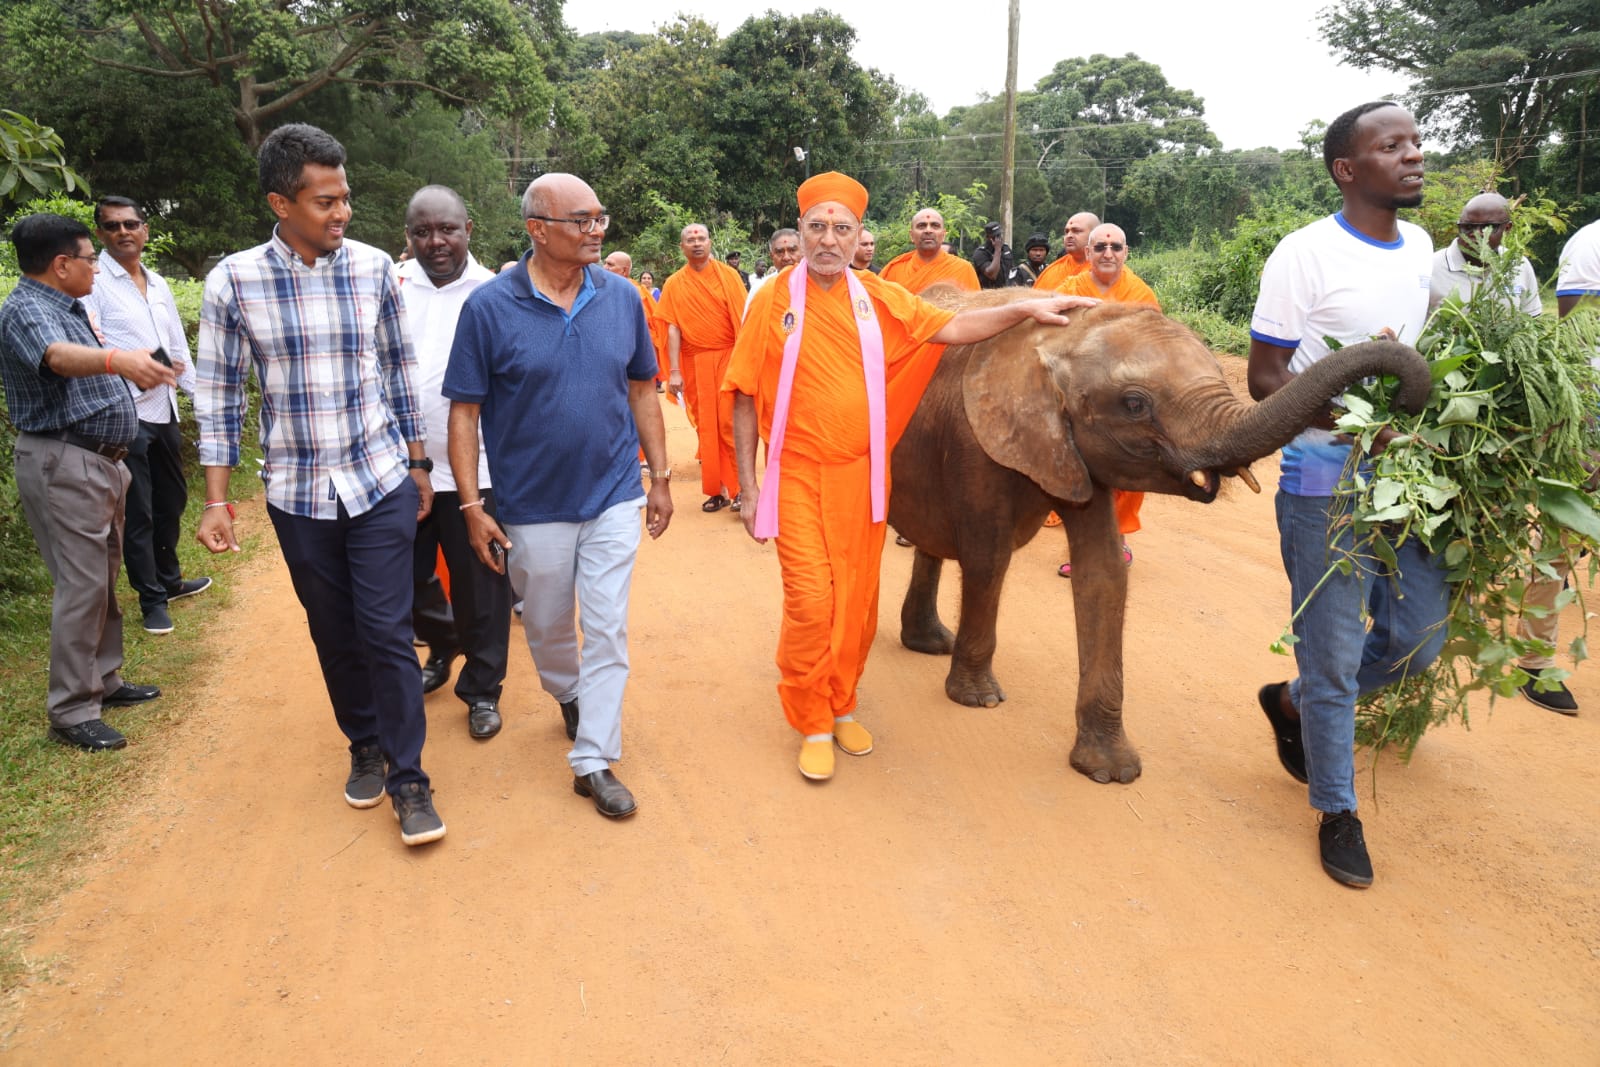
1351 276
1457 268
1579 275
434 283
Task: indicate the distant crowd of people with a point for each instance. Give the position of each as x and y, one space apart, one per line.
511 423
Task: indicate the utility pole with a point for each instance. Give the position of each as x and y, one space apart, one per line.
1008 170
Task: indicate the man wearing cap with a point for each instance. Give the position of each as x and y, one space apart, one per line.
992 259
1074 252
1028 271
829 369
929 262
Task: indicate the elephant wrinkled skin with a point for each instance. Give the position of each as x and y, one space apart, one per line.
1046 418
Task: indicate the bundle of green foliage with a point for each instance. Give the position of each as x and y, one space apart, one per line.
1494 476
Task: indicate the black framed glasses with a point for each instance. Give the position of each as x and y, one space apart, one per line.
113 225
91 258
586 225
1481 227
1115 246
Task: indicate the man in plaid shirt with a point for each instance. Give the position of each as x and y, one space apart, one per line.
319 319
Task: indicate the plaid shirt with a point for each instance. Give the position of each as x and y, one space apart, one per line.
128 318
334 360
98 406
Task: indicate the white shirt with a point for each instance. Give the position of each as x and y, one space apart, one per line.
1580 263
1453 275
431 312
127 318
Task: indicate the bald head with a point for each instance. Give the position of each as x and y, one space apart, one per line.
437 233
695 241
620 263
927 233
1108 253
565 221
1075 234
1484 218
866 248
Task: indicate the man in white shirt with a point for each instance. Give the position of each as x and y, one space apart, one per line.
1579 275
784 248
1457 268
132 307
434 283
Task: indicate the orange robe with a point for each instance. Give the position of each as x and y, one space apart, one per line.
1130 289
1061 272
707 306
911 271
658 331
828 546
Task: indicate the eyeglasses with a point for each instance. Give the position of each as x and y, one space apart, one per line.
1115 246
588 225
113 225
1481 227
76 255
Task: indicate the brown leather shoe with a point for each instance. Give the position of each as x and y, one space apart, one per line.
611 798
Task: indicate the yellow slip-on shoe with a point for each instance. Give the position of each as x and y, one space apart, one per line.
852 737
816 760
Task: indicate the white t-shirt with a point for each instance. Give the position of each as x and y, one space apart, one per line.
1327 280
432 313
1580 263
1453 275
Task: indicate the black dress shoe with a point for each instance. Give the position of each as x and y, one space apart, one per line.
96 736
611 797
130 694
483 719
436 671
569 716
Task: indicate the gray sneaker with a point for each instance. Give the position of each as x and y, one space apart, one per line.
364 788
413 808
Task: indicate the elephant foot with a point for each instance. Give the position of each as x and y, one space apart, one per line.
1105 760
935 640
975 689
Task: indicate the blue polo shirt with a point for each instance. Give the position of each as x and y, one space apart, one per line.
553 385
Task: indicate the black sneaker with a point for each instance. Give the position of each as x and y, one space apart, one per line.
157 620
364 788
188 587
1286 731
91 736
1344 849
1559 700
413 807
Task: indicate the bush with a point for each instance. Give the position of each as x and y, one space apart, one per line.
1231 277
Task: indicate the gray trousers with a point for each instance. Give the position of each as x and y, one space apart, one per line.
74 502
561 567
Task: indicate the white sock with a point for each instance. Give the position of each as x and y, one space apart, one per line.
819 737
845 718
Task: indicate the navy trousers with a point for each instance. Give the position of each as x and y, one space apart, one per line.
352 575
480 622
157 496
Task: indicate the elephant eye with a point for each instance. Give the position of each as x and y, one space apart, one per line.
1136 404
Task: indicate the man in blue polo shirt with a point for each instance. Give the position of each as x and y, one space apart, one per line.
1349 277
554 357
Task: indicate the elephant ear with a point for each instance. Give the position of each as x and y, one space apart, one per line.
1019 417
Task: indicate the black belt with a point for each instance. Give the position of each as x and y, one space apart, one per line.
114 453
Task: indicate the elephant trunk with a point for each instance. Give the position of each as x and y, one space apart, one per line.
1273 423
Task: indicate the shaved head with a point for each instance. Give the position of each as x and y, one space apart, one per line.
1484 218
1108 253
619 263
1486 203
1075 234
927 233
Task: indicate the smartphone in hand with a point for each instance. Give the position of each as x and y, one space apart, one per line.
160 356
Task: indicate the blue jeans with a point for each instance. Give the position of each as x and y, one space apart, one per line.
1339 658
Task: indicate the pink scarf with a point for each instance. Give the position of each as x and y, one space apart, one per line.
871 335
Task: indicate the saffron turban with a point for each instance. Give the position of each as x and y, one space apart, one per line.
839 188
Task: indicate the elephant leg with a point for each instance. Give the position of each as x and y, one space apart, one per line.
971 680
1099 601
920 628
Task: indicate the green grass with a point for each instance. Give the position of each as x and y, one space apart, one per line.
54 800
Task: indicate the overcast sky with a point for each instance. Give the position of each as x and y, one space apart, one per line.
1263 72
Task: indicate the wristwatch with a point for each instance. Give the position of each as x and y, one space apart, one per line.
424 464
661 476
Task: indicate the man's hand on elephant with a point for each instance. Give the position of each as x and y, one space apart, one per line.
1052 310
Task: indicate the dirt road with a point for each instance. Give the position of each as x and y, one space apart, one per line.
959 896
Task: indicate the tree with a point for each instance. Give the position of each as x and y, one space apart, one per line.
31 163
271 55
787 83
1497 74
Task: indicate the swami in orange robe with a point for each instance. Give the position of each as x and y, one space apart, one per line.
828 546
1129 288
707 306
1059 273
916 274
